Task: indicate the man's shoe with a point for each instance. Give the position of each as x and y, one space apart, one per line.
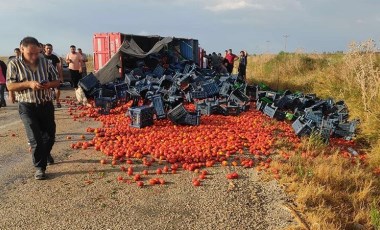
40 174
50 160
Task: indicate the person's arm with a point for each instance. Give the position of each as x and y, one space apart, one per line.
68 60
85 58
14 84
12 96
3 68
59 68
80 63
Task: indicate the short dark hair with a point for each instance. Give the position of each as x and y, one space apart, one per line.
79 49
48 44
16 49
29 41
72 46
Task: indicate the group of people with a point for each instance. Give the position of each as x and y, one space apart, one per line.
31 76
225 64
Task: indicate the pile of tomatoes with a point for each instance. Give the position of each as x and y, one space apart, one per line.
247 140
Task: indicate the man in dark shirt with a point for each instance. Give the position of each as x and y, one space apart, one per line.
31 77
243 65
17 53
56 61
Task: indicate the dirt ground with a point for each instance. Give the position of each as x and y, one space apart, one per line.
80 193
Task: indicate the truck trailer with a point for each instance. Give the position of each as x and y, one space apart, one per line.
106 45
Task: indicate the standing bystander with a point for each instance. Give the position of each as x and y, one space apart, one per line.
28 76
75 65
84 60
56 61
231 58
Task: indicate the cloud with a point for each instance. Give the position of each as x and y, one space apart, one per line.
272 5
230 5
359 21
143 33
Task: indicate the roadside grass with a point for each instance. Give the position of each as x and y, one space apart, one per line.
332 190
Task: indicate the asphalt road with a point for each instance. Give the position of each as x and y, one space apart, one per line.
83 194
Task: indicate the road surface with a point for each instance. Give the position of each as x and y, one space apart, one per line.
83 194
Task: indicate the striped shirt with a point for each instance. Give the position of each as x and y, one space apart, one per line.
18 71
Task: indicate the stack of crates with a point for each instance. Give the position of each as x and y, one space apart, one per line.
141 116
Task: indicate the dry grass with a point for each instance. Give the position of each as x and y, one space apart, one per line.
331 191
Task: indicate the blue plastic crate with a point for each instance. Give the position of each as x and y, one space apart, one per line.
239 97
130 80
177 113
274 112
198 94
141 116
121 90
302 126
205 107
225 89
211 89
89 82
158 105
192 119
158 71
315 116
260 105
105 104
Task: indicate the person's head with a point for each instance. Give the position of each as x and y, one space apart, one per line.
226 51
41 47
30 49
17 52
79 50
48 49
242 53
219 54
72 49
230 51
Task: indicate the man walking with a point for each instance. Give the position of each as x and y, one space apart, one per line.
75 65
56 61
84 60
28 76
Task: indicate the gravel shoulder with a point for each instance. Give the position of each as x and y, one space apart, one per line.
83 194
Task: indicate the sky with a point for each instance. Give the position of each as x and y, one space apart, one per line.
257 26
